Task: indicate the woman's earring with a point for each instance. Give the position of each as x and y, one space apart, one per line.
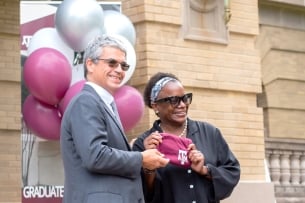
157 112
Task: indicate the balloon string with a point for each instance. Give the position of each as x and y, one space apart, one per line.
78 58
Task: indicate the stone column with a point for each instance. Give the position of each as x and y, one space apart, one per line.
275 170
295 167
285 168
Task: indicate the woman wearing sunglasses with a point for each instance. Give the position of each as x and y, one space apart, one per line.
205 170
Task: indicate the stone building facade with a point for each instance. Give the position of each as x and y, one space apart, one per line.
236 72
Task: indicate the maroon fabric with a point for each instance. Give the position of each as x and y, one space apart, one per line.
175 149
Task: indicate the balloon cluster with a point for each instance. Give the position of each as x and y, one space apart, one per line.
52 77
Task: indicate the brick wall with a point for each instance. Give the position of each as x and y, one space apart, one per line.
10 146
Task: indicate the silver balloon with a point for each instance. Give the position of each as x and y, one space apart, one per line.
117 23
78 22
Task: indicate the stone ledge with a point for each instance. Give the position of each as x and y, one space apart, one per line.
252 192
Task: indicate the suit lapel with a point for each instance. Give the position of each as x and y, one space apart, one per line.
109 112
117 123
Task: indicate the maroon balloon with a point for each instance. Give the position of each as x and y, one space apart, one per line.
47 75
130 106
42 119
71 92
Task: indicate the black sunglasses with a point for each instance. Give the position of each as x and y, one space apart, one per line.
175 100
114 63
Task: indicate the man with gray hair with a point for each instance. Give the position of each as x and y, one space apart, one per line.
98 162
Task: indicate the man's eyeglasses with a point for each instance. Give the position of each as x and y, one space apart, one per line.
114 63
175 100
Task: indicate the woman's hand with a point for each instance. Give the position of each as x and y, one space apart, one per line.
197 159
153 140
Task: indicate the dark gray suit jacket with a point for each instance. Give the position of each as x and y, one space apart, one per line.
98 162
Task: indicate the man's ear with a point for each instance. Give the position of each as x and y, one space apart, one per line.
90 65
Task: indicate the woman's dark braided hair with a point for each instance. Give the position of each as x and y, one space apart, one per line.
152 81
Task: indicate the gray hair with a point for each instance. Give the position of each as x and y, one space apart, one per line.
95 48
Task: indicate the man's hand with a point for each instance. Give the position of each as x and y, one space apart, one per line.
153 159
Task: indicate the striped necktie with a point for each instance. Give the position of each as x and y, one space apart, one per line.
116 113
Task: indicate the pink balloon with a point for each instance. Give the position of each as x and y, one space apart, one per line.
42 119
47 75
130 106
71 92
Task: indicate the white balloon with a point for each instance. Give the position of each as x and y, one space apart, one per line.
77 73
131 58
49 38
117 23
78 22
